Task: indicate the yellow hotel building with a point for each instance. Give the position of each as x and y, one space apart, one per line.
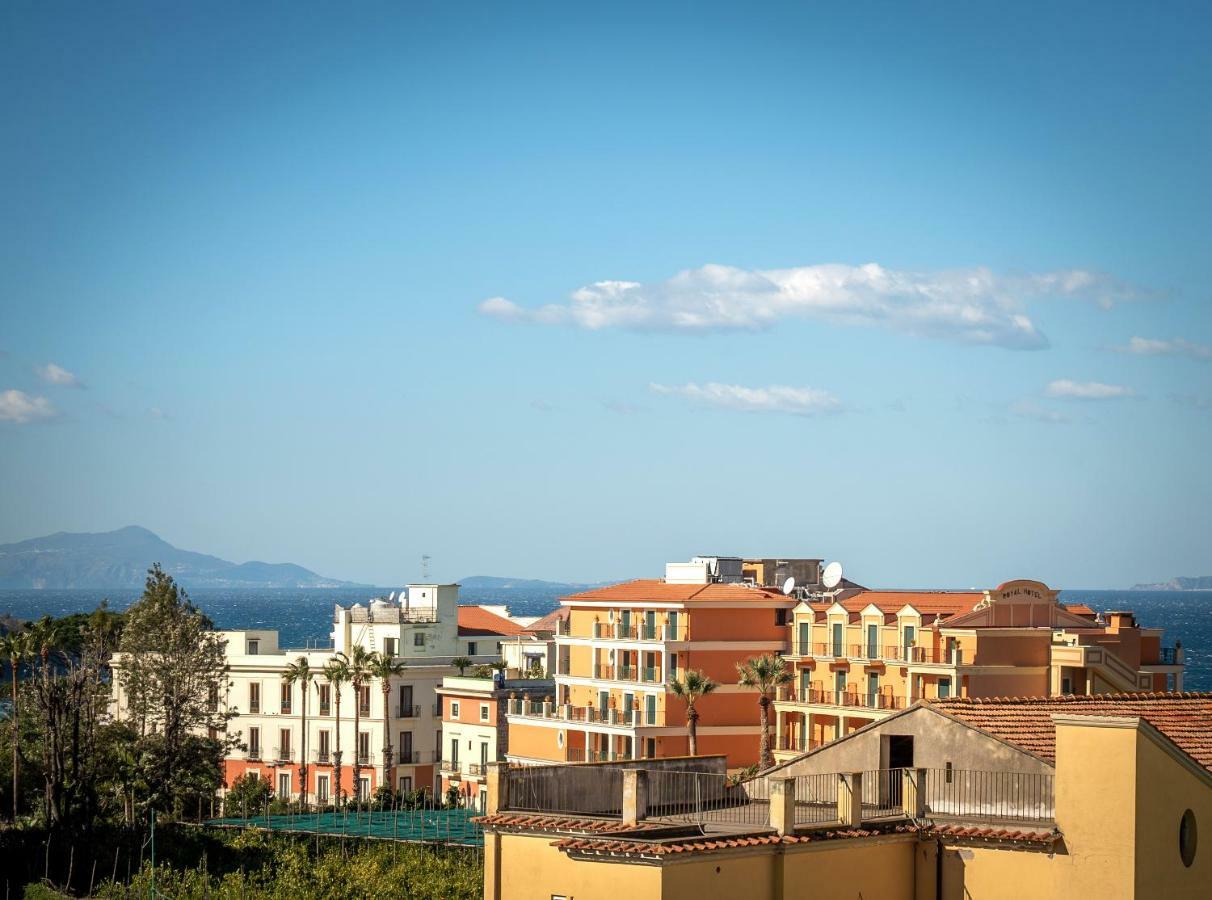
622 645
863 655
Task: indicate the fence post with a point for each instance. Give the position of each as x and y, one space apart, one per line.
913 793
635 796
850 798
498 788
782 805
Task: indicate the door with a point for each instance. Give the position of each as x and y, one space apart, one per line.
625 623
406 747
405 701
603 705
628 705
837 639
910 634
873 690
805 632
650 708
321 788
650 625
839 687
671 627
900 757
873 642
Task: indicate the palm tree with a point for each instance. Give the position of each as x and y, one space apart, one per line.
766 673
300 671
16 646
384 668
462 663
359 671
693 687
336 672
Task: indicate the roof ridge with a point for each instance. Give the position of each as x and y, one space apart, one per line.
1071 698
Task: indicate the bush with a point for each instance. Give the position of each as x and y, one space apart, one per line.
247 797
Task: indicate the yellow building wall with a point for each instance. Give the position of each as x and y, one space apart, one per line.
531 869
850 869
535 742
1164 790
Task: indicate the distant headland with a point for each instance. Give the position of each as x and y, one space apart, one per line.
1181 583
120 559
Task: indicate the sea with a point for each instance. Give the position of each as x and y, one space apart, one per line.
303 617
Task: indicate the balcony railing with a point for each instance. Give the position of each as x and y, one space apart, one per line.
254 753
650 674
408 712
282 754
448 766
842 698
365 759
796 742
323 757
660 631
413 757
254 707
476 770
1169 656
284 709
364 710
326 709
592 715
941 656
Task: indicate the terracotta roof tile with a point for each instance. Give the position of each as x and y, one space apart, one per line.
653 590
935 602
550 621
475 620
551 822
1184 718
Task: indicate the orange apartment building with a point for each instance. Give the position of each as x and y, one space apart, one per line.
621 647
862 655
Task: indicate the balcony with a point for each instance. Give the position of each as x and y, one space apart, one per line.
323 757
364 759
413 757
795 743
650 675
284 709
1168 656
408 712
477 770
281 755
254 707
364 710
254 754
589 715
325 709
449 767
818 697
937 656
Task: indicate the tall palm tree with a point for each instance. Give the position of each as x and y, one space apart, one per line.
462 663
384 668
692 688
336 672
358 661
16 646
299 672
766 673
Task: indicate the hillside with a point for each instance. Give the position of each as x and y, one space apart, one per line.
1181 583
120 559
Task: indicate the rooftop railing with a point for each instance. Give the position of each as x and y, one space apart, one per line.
851 699
1169 656
943 656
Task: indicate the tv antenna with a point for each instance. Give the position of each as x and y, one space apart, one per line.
425 558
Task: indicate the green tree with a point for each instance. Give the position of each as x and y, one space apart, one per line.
336 673
766 673
462 663
15 647
692 688
173 670
384 668
247 796
299 672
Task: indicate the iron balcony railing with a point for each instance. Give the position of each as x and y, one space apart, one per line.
285 708
796 742
477 769
703 797
1010 797
254 753
849 699
816 799
326 709
364 759
364 710
408 712
254 707
448 766
1169 656
282 754
323 757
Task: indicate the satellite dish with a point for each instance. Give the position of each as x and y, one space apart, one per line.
832 576
788 586
392 598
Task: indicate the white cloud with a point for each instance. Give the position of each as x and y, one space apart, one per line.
802 401
1156 347
1087 390
1030 409
57 375
973 306
20 408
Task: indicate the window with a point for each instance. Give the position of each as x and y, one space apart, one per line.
254 743
322 752
873 689
483 756
363 788
284 785
1066 685
471 648
405 696
650 707
364 747
252 647
418 639
483 712
322 788
284 743
944 687
406 747
389 646
910 634
780 617
405 784
285 698
364 699
454 752
839 683
837 639
254 696
1188 837
454 709
673 664
325 692
805 630
873 641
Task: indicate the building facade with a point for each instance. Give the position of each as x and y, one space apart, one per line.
863 655
425 628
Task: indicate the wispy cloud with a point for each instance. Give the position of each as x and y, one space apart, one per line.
973 306
57 375
777 398
1140 346
1087 390
1036 411
19 408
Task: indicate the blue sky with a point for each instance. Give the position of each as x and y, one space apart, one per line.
565 293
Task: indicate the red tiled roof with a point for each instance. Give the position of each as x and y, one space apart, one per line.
1080 609
1184 718
938 602
549 822
653 590
550 621
475 620
710 843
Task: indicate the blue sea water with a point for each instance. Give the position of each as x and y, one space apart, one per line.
304 616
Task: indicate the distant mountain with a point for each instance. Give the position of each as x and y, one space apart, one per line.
522 585
120 559
1182 583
